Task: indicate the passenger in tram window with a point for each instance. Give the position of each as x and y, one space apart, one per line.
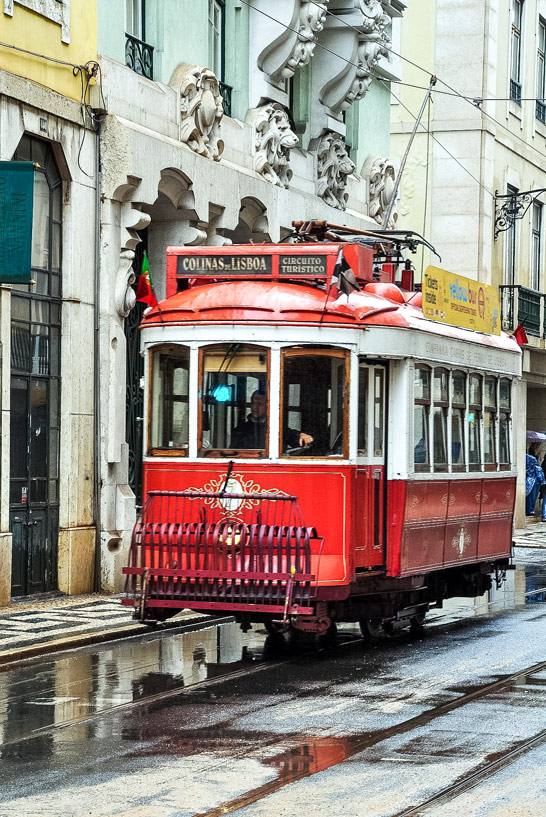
251 433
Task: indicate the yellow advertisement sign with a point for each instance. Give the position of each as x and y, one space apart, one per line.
460 301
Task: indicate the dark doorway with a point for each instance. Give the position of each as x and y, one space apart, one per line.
134 406
35 387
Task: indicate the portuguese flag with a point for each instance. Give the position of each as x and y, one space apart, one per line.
145 288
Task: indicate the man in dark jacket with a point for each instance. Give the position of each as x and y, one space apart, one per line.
251 433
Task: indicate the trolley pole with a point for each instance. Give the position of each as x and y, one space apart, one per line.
390 208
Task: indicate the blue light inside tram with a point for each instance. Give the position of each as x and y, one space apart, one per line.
221 393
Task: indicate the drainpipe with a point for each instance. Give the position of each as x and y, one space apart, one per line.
97 457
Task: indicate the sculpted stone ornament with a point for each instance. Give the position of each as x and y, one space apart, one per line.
382 177
334 166
371 47
296 45
132 221
364 31
273 141
201 109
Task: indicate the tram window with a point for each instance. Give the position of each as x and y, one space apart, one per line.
474 422
314 395
489 422
504 424
441 404
234 386
421 410
170 405
363 411
458 410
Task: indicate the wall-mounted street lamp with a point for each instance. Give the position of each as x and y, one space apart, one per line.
511 207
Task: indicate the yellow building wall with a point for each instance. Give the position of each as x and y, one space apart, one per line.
30 31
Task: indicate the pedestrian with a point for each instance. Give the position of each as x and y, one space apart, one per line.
534 478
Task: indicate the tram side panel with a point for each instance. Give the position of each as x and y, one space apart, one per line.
448 523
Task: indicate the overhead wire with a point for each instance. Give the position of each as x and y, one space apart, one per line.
476 101
382 79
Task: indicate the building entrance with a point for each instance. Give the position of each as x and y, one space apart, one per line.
35 388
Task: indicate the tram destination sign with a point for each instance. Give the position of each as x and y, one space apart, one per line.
259 265
460 301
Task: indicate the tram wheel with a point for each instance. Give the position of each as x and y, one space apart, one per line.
327 640
370 629
417 624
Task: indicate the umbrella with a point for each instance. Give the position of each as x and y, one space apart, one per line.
536 437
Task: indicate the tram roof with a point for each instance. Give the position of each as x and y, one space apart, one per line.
251 302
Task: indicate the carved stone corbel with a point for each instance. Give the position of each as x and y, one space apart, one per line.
333 168
201 109
358 31
132 221
273 141
295 46
381 180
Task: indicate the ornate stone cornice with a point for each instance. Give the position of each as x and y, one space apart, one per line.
333 168
201 109
273 141
295 46
381 179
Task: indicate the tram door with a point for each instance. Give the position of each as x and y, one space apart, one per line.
370 471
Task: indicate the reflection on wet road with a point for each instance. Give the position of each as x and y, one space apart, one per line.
204 746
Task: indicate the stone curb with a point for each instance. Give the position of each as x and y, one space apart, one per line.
15 656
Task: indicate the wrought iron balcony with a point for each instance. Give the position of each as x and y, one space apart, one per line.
521 305
139 56
226 90
515 91
541 111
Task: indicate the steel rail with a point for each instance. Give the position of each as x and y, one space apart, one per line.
359 745
476 777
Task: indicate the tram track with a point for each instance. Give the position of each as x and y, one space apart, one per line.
352 745
358 745
475 778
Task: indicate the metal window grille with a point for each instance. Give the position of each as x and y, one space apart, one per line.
139 56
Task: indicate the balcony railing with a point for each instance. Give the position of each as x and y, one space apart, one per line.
226 90
521 305
139 56
541 111
515 91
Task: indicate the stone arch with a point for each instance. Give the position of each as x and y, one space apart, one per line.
253 223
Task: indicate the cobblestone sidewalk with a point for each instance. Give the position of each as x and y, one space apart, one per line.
534 535
31 628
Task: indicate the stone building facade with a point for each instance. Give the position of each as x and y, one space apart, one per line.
203 123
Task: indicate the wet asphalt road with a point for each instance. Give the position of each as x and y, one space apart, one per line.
139 729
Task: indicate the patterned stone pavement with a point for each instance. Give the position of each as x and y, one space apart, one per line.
33 627
533 535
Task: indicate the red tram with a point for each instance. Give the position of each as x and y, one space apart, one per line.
313 456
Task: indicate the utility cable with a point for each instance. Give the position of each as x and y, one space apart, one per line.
381 79
42 56
476 101
440 144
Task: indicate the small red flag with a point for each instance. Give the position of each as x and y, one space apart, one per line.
520 335
145 291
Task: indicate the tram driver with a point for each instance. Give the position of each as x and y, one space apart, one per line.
251 433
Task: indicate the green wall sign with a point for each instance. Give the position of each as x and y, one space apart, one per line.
16 206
